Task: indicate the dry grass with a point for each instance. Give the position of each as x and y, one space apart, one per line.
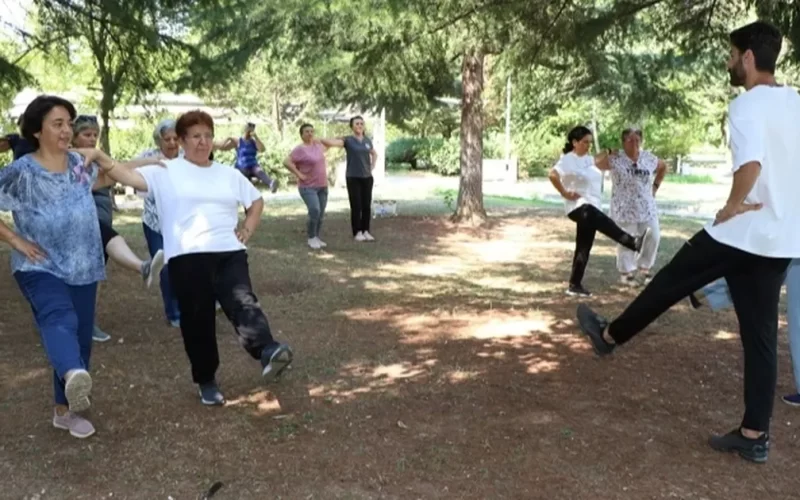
436 363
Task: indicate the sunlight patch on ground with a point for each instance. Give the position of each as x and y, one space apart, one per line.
499 328
261 401
723 335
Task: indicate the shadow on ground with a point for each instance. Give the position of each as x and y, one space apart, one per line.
439 362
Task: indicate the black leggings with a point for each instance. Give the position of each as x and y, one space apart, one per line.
590 220
201 279
107 233
359 191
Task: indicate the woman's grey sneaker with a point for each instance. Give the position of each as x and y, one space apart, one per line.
210 394
175 323
78 426
152 267
273 185
274 360
77 388
754 450
99 335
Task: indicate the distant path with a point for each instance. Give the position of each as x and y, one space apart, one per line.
682 200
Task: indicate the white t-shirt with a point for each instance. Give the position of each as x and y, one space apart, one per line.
632 199
763 128
580 175
198 207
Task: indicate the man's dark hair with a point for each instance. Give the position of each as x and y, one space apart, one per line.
34 115
763 40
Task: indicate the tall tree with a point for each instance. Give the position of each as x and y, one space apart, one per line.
136 49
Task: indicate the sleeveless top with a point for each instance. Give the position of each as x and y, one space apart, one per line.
632 199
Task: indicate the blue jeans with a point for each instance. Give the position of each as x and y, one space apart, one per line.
64 315
155 242
718 297
316 199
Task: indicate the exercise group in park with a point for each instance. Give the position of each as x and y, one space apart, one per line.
59 190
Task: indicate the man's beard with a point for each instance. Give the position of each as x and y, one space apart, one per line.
736 75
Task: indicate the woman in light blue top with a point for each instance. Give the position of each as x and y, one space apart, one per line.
57 257
167 148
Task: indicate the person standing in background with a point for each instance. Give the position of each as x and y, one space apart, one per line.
636 176
361 158
307 163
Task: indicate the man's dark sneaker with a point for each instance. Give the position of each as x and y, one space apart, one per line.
578 291
792 399
754 450
593 325
274 360
694 301
210 394
642 240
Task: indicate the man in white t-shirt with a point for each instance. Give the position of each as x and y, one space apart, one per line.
750 242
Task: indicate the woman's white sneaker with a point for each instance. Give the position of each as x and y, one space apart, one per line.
360 236
368 237
313 243
77 388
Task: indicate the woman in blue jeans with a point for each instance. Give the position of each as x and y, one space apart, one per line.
717 297
307 163
168 148
57 257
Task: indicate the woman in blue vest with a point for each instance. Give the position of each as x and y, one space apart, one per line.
247 157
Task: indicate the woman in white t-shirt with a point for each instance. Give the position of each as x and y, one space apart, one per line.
578 179
636 176
198 207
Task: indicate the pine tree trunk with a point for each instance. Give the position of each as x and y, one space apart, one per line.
470 191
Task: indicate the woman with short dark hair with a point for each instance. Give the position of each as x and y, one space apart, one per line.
578 179
307 163
57 257
198 202
361 158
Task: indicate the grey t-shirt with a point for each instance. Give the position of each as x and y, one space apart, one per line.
358 161
102 200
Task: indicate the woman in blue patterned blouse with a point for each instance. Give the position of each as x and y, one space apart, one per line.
57 257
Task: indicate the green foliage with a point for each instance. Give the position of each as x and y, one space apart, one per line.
689 179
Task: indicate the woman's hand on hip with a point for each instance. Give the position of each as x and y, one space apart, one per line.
30 250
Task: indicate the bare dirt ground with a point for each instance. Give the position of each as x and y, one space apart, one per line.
436 363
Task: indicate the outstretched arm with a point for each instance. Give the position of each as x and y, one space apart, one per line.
332 143
105 180
117 172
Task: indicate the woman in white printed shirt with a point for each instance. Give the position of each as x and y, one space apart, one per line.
636 176
578 178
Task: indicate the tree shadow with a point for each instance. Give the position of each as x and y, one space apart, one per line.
439 362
